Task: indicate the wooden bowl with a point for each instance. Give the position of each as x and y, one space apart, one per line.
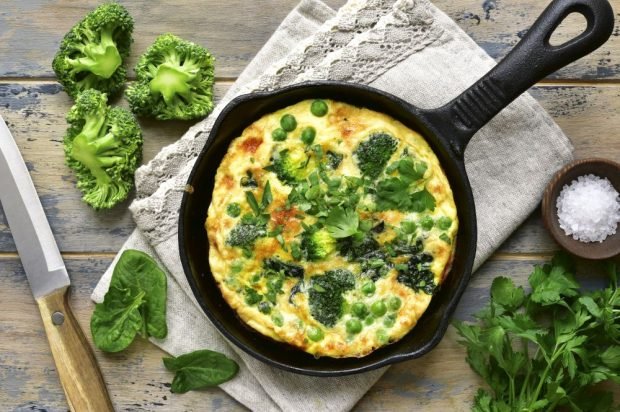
603 168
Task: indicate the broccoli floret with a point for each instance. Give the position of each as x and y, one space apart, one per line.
317 245
174 80
291 166
417 274
245 233
373 154
103 146
91 54
325 295
288 269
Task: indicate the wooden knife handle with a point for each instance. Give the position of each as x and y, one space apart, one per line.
75 361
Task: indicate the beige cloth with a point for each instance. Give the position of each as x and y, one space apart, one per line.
408 48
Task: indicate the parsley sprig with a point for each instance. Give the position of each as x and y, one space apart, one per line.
546 348
406 191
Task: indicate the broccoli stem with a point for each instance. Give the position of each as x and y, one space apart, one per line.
173 78
88 150
101 58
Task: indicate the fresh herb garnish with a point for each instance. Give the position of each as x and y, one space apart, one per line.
403 192
250 228
200 369
341 223
135 303
545 349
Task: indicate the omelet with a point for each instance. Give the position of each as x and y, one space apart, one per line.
330 228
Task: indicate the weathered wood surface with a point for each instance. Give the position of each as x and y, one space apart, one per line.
234 30
138 381
35 112
583 98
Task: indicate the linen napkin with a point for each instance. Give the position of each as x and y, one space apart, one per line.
405 47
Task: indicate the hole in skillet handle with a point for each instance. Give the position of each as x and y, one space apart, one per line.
532 59
572 26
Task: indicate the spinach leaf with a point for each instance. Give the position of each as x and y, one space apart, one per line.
135 302
200 369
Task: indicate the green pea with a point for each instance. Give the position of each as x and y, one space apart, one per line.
252 297
236 266
378 308
277 319
354 326
359 309
395 303
319 108
279 135
382 336
288 122
308 135
369 288
426 222
389 320
315 334
264 307
369 320
444 223
233 209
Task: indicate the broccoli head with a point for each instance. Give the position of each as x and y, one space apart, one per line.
91 54
373 154
245 233
103 146
325 295
291 166
174 80
318 245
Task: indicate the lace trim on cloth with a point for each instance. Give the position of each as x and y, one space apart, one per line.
388 39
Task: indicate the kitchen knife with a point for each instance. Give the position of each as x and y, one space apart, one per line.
77 367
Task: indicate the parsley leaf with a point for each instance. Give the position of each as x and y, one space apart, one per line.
545 349
399 193
341 222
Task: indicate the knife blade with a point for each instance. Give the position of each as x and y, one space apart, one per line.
35 243
75 362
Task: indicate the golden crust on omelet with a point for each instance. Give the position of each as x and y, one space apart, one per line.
413 245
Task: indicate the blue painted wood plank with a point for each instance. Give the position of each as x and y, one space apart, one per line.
31 30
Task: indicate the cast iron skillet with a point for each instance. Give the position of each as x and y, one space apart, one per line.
447 129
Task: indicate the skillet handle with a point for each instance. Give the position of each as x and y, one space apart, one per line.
532 59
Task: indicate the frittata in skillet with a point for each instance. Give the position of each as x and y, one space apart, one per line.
330 227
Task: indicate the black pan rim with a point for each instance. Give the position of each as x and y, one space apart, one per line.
443 324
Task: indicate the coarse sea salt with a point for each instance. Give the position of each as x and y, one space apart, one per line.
589 209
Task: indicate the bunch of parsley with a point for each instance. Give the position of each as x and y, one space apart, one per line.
545 349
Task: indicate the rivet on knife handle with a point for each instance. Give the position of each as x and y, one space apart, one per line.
76 364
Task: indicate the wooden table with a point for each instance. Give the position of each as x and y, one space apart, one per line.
583 99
